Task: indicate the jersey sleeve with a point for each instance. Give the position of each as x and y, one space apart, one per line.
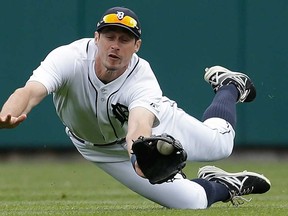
145 91
56 69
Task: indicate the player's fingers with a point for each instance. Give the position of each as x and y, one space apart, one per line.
8 118
135 165
138 170
15 121
22 118
5 119
11 122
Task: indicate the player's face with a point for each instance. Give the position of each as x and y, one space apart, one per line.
116 47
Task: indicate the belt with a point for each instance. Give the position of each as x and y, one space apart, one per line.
118 141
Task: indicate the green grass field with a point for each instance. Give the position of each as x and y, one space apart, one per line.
78 187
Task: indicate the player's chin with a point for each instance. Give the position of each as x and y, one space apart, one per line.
114 63
111 65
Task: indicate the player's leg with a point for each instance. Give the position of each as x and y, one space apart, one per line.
223 105
238 184
230 88
181 193
211 186
208 141
212 139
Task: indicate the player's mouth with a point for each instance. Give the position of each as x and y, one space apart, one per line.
113 56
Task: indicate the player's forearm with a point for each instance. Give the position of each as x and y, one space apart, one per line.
139 124
17 104
135 132
24 99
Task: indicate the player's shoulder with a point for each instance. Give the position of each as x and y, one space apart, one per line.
75 49
140 63
141 70
81 43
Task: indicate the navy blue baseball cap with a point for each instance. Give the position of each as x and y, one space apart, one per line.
123 17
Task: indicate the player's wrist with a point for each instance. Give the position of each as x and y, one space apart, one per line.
133 160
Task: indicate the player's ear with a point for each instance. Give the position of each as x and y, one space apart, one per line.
138 45
96 37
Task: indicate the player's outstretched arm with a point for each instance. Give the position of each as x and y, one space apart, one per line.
20 103
140 123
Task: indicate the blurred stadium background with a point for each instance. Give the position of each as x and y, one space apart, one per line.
180 39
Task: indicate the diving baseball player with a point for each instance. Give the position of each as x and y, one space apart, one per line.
107 97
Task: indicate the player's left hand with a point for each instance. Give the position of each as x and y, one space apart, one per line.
148 162
138 170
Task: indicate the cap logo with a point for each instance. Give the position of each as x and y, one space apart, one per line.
117 17
120 15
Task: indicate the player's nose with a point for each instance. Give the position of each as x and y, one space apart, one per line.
115 45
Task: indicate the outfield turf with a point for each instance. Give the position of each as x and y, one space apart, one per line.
78 187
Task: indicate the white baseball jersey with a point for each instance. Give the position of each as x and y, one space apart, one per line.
96 113
84 104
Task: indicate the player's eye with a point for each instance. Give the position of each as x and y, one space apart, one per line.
125 40
109 37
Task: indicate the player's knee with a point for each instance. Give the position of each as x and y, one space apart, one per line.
227 152
227 149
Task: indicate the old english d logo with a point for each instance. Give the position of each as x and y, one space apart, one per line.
120 15
121 112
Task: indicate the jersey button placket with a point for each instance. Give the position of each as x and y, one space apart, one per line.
103 91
